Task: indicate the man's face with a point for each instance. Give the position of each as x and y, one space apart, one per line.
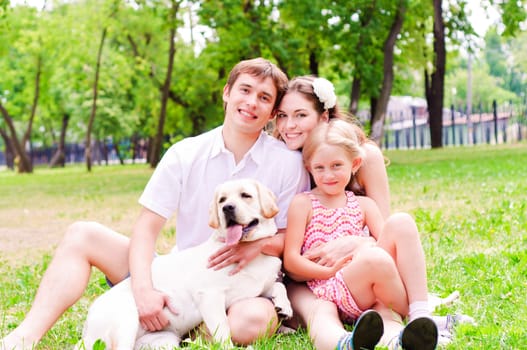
250 103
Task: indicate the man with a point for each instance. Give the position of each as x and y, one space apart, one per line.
183 184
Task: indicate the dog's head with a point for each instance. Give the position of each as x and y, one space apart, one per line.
243 210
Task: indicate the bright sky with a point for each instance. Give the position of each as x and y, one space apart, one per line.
479 18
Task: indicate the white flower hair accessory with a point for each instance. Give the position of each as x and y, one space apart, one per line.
325 92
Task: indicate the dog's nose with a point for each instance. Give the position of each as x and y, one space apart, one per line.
228 209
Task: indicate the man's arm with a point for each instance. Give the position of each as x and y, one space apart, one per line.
149 302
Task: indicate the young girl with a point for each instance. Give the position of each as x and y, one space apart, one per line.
367 274
308 102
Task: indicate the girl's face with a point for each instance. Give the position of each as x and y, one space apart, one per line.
295 118
331 168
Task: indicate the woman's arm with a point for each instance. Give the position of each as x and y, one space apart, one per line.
372 176
297 266
372 216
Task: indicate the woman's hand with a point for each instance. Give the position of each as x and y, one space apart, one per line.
334 252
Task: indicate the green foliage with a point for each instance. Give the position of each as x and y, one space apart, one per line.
484 91
514 14
337 39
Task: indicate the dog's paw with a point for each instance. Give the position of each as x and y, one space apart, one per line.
157 340
284 310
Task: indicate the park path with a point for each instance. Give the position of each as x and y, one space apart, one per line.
26 245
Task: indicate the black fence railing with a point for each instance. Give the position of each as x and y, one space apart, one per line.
500 125
102 153
406 129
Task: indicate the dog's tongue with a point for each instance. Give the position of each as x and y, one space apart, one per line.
234 233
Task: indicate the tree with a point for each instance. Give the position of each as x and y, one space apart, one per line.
158 140
22 157
382 103
26 54
88 154
435 81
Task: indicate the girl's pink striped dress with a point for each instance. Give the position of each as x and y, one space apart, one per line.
327 224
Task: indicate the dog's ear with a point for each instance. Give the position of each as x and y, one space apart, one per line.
214 219
267 201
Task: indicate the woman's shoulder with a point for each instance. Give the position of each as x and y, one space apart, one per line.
372 150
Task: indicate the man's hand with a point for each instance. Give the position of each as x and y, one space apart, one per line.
241 254
150 304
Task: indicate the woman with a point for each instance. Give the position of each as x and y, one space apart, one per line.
308 102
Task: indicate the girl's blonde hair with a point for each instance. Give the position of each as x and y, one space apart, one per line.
336 132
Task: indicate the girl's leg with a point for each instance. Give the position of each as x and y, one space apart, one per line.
400 239
419 334
372 276
393 323
320 317
84 245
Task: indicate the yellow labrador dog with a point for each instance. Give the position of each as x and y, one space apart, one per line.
242 210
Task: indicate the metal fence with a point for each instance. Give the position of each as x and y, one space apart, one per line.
406 127
410 129
102 153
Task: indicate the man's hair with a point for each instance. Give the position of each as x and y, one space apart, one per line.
261 68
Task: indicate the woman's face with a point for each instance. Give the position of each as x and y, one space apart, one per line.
295 118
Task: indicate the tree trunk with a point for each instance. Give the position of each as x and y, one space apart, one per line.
365 22
9 150
103 151
435 85
198 124
88 150
134 145
374 101
118 152
59 158
27 135
377 124
171 94
158 141
355 95
22 159
313 63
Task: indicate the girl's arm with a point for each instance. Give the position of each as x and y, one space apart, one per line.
372 216
297 266
372 176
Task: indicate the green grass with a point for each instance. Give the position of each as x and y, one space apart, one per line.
470 205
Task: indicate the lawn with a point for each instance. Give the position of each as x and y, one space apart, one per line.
470 205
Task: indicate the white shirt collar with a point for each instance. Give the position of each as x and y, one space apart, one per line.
256 152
